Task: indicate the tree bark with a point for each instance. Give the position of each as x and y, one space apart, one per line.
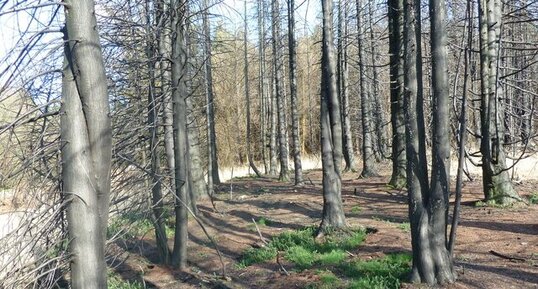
496 181
156 181
396 24
279 90
368 156
181 150
331 138
428 204
213 163
87 145
296 146
343 73
247 96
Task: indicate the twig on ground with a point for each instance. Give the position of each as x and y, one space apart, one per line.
266 243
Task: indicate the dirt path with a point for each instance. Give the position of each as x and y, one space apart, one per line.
508 232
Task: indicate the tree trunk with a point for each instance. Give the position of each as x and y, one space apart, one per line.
213 164
87 146
396 24
181 150
161 239
296 146
495 178
331 158
368 156
343 73
247 96
262 84
279 90
428 204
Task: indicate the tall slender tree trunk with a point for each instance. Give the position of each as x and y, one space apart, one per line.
181 149
343 73
87 145
279 91
368 156
262 83
331 131
247 96
495 178
156 181
296 145
396 24
213 164
378 117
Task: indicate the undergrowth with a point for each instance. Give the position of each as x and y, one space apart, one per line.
331 254
116 282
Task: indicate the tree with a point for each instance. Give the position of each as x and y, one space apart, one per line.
153 124
496 182
296 149
181 145
368 156
247 96
343 75
428 203
87 145
279 91
331 130
396 24
213 165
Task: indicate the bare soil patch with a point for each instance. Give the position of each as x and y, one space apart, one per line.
496 247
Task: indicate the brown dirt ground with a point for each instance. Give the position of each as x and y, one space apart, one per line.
511 232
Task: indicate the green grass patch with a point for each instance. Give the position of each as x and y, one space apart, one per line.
261 222
131 225
356 209
405 226
327 280
257 255
382 273
300 248
116 282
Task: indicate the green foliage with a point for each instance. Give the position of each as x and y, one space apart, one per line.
257 255
304 251
381 273
533 198
356 209
300 256
332 258
116 282
261 222
129 225
327 280
405 226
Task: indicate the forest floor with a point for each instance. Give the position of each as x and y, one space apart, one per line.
495 247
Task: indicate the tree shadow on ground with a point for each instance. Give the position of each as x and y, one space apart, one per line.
529 229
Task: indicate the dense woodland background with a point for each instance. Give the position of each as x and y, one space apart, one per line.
142 108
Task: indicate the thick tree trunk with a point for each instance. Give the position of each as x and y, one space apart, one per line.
87 146
279 90
496 180
296 146
198 187
181 150
428 204
343 73
396 23
333 212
